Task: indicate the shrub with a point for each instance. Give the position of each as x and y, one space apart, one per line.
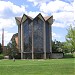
67 55
1 56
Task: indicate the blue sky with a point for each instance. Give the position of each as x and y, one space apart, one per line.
62 11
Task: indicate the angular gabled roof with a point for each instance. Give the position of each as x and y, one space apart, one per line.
18 18
30 17
40 16
50 20
47 18
24 17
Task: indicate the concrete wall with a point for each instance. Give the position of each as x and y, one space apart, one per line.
57 55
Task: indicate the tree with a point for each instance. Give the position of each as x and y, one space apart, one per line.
1 50
57 46
54 47
70 39
8 51
12 48
65 47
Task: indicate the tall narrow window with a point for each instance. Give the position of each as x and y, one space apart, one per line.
27 30
47 38
38 35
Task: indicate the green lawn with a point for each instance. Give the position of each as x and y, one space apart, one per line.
38 67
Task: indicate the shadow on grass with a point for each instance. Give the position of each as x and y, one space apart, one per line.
69 56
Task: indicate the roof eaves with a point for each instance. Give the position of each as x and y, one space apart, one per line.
18 18
26 17
41 16
51 17
46 18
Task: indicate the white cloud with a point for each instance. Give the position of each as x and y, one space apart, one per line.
63 16
49 6
74 9
63 19
54 36
62 12
34 14
7 37
14 8
55 6
37 2
8 12
6 23
57 24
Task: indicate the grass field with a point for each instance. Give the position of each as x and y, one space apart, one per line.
38 67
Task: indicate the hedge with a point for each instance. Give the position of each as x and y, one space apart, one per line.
1 56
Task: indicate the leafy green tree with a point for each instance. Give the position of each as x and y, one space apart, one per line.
65 47
1 50
12 48
70 39
8 51
54 47
57 46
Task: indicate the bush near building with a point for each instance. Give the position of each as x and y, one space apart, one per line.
1 56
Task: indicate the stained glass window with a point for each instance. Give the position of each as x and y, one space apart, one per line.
38 35
27 32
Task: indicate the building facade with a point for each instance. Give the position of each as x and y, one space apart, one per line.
35 36
15 36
